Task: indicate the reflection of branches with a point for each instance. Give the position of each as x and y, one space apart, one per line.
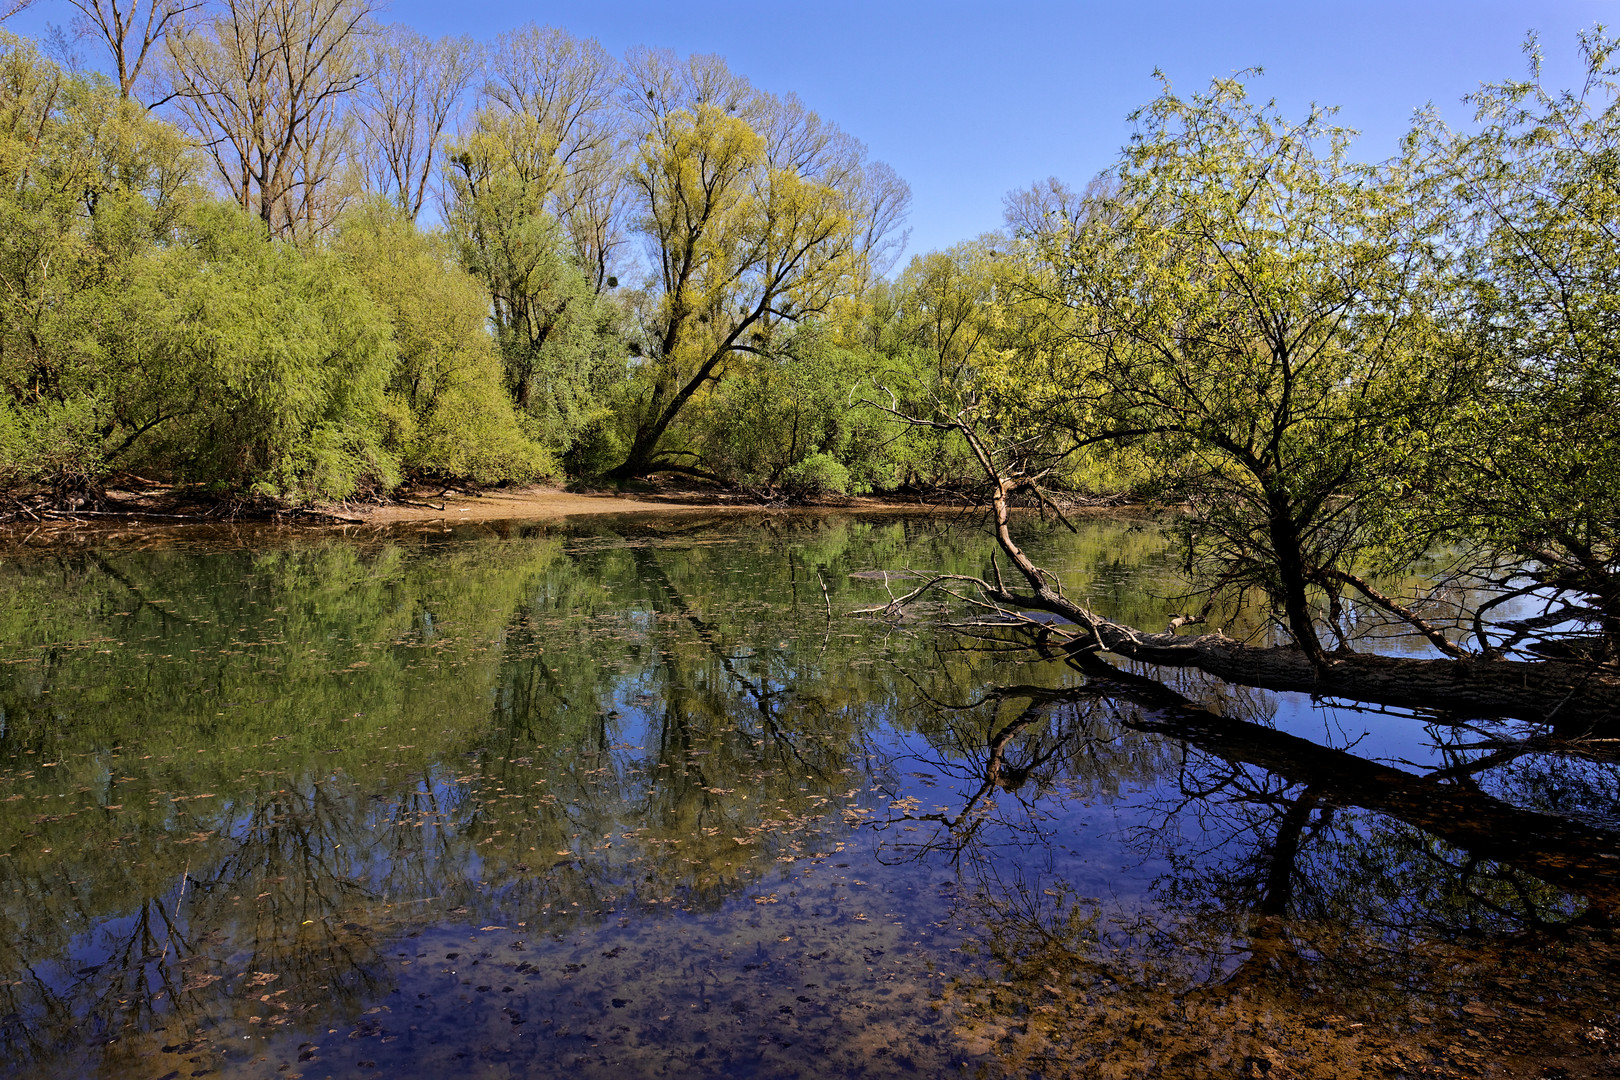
1560 852
1306 883
135 590
271 898
761 693
961 829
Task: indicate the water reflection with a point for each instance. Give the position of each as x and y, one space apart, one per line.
623 799
1317 913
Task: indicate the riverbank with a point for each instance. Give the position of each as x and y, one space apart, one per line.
161 516
536 502
154 514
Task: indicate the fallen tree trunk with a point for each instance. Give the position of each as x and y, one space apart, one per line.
1574 698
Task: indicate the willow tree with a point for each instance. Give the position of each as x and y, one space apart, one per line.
552 96
1537 468
1283 328
448 409
144 326
755 213
89 184
945 308
929 332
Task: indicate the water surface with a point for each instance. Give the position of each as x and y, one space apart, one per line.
638 797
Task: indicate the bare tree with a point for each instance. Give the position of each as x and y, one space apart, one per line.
415 88
14 7
264 85
563 88
880 200
130 30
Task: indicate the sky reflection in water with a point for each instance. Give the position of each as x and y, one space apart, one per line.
620 798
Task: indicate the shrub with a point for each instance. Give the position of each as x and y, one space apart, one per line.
449 410
818 474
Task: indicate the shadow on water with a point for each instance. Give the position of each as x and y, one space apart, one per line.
632 797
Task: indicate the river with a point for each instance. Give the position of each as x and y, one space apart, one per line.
639 796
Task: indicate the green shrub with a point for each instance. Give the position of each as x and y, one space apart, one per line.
448 408
279 365
818 474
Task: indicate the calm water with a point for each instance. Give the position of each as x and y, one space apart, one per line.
621 799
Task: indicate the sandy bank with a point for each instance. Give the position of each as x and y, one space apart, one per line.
529 502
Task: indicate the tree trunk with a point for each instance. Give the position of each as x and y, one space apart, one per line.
1575 698
1291 572
1572 697
638 462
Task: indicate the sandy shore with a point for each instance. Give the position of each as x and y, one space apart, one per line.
530 502
150 518
543 502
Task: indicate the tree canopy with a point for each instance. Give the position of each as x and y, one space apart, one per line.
332 256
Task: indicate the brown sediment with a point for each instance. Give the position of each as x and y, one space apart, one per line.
160 515
527 502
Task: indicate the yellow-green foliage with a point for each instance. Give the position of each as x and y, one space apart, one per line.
447 406
779 412
86 182
145 325
555 334
141 323
277 360
1533 461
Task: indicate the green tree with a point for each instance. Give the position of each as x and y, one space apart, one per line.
448 406
792 421
142 324
282 360
932 330
1256 312
571 139
88 184
756 214
1535 475
532 207
556 335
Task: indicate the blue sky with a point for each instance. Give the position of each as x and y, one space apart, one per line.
968 101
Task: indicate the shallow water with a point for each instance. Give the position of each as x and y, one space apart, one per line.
638 797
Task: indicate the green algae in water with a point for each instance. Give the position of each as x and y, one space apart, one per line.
621 798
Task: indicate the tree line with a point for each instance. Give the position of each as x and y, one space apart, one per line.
622 256
644 264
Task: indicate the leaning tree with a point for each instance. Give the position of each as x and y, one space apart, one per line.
1276 328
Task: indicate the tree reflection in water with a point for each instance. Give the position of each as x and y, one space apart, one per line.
622 799
1319 913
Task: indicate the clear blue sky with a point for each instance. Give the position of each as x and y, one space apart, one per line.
968 101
